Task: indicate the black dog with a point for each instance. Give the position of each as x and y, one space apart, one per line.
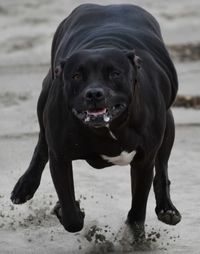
106 100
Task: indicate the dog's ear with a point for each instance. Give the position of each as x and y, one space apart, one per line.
135 60
59 69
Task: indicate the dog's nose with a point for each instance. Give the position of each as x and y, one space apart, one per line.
94 94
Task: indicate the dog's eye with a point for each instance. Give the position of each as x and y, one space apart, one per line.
115 74
77 76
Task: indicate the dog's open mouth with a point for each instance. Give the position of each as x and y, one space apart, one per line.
99 117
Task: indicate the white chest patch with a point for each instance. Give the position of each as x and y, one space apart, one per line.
123 159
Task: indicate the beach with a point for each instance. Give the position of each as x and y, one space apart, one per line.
27 28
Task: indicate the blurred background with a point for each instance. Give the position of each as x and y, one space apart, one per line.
27 28
29 24
26 31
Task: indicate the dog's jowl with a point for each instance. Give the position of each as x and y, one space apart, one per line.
106 99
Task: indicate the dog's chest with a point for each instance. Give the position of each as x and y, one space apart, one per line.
124 158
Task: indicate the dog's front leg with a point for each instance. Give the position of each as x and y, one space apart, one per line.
141 180
67 209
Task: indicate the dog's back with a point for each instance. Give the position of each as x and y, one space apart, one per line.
124 27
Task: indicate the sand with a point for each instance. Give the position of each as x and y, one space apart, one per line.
26 31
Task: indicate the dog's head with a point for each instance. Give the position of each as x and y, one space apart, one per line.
99 84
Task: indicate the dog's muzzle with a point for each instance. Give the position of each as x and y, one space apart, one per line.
99 110
101 117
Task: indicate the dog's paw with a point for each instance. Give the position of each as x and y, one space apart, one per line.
138 231
169 216
24 189
74 224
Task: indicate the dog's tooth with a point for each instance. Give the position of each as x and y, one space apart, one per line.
87 119
106 118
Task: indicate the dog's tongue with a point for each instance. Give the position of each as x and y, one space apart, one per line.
96 112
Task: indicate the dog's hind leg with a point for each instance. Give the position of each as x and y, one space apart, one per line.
165 209
30 180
